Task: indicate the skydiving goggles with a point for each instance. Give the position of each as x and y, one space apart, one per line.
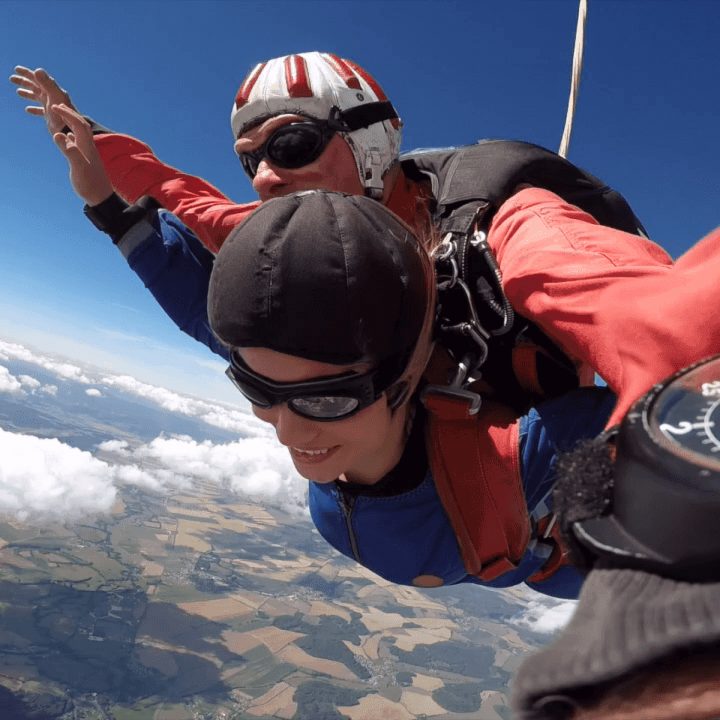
298 144
330 398
291 146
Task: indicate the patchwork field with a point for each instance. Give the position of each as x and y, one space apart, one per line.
192 608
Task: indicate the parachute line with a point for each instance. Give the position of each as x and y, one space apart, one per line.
575 79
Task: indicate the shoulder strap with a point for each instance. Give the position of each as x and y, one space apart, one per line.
484 175
475 463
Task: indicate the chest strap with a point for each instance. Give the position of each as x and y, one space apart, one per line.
474 457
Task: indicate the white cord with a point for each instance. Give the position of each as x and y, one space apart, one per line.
575 80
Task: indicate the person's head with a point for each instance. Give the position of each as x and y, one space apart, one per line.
314 121
638 647
685 686
327 302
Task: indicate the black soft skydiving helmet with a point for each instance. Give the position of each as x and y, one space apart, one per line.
665 513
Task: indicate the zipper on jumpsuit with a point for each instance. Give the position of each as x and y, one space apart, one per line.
347 503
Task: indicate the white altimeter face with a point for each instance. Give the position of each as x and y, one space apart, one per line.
685 416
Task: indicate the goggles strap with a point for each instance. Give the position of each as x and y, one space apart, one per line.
364 115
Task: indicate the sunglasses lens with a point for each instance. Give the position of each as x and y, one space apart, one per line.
324 407
291 146
250 163
294 146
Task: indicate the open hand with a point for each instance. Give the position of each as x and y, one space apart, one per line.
37 86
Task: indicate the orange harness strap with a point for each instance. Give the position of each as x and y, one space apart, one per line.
475 463
524 365
560 554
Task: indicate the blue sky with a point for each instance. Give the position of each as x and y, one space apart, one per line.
167 72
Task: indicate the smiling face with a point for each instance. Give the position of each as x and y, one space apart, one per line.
334 170
361 448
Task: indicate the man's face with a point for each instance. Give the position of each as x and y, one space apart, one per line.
334 170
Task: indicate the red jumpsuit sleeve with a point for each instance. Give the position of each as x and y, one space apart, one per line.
135 171
678 317
561 269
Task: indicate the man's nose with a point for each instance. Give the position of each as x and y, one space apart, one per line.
268 181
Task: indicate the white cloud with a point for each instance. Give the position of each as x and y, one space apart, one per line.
29 382
63 369
42 478
158 480
46 479
546 616
119 447
8 382
212 413
23 384
257 467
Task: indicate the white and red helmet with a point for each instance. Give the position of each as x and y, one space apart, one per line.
325 87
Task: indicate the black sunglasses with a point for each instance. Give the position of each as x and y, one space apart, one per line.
329 398
291 146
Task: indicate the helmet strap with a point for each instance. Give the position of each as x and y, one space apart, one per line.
372 175
362 116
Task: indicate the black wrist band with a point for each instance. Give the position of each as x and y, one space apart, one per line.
115 217
97 128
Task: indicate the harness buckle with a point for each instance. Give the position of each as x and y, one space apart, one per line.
446 254
453 401
450 403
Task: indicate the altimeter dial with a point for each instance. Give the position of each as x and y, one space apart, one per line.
685 415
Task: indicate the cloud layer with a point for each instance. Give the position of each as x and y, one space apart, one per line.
546 615
216 414
44 478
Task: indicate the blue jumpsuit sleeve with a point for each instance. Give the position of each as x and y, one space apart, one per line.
175 267
550 429
555 427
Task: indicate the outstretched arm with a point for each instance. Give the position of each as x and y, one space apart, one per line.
166 256
610 299
677 317
134 171
557 262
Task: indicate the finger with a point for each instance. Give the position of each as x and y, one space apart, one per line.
79 127
22 70
35 110
28 89
28 94
67 146
73 151
46 82
71 116
20 80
